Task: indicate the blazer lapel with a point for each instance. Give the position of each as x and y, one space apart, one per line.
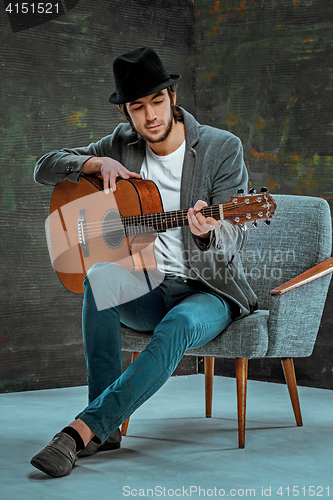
135 155
189 167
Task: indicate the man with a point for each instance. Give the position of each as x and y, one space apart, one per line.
204 287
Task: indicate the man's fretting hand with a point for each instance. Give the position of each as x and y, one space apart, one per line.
200 225
110 169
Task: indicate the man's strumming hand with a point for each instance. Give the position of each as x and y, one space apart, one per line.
110 169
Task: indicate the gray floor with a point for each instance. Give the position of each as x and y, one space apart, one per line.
173 451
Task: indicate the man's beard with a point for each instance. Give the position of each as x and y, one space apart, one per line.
155 140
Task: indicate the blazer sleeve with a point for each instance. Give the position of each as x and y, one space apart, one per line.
231 175
66 164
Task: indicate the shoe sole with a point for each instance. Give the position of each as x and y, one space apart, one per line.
109 446
38 465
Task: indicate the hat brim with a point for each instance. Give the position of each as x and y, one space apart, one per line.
138 93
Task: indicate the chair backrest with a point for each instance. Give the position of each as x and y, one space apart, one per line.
298 237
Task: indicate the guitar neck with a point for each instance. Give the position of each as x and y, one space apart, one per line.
162 221
238 209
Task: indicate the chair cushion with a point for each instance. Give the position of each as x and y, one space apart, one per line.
244 338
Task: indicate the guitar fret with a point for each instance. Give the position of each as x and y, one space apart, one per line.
160 221
184 217
137 225
150 222
174 219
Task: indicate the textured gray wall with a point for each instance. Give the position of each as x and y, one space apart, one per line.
55 82
264 72
261 71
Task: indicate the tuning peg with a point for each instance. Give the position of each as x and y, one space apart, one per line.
252 191
255 223
264 189
240 191
267 222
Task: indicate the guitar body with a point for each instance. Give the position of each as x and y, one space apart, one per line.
87 226
75 247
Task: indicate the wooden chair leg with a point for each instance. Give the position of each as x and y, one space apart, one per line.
241 382
125 424
209 379
289 375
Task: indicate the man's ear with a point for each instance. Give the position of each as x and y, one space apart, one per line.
174 98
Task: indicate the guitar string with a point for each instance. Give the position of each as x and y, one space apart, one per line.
170 216
144 221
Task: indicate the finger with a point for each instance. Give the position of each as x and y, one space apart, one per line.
106 183
113 183
193 218
214 222
193 229
197 227
199 205
207 220
204 223
131 174
127 173
198 231
190 213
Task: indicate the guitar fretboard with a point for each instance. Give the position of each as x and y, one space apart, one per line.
137 224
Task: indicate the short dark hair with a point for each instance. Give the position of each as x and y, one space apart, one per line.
176 111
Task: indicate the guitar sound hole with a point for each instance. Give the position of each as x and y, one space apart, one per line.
112 229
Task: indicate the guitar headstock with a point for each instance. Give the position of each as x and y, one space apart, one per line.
251 207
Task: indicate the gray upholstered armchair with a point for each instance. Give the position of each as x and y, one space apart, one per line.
289 265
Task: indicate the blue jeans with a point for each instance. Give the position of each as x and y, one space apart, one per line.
182 314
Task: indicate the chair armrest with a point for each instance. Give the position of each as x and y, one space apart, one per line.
318 271
294 319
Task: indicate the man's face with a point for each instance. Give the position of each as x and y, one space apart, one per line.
152 116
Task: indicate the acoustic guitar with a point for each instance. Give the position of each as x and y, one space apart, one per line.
87 226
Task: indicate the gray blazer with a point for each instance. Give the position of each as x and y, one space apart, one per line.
213 170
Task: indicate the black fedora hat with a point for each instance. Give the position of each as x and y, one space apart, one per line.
139 73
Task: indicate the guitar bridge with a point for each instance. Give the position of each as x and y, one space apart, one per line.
82 231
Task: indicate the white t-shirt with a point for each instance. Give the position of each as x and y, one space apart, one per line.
166 172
